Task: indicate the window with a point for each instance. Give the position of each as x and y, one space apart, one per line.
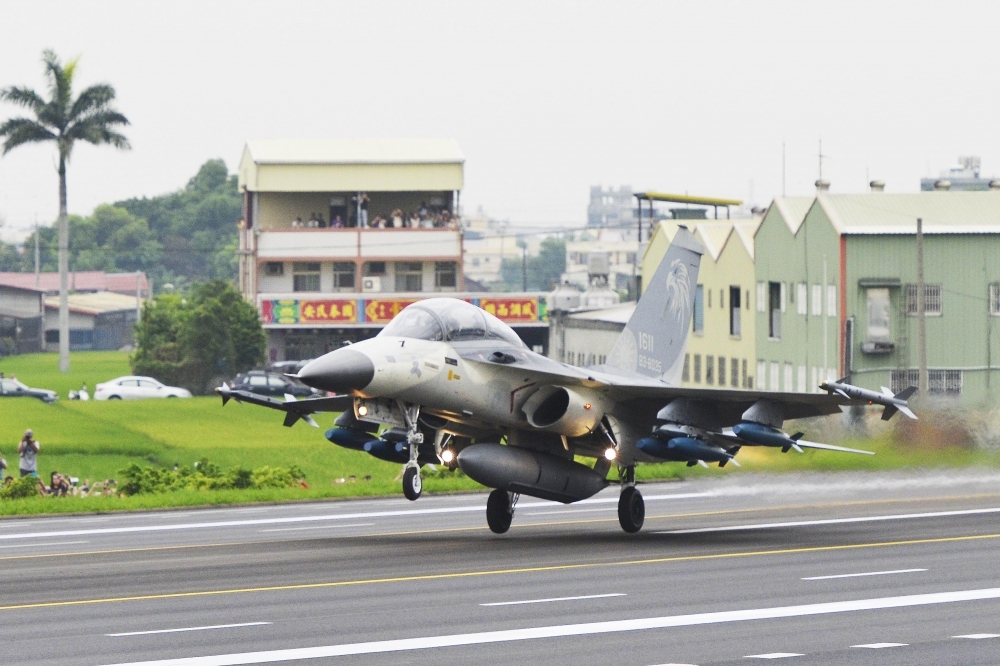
745 375
409 276
445 275
995 298
774 376
306 276
831 300
686 373
878 315
698 318
722 300
343 276
932 299
722 371
815 378
734 374
801 302
939 382
374 268
274 269
817 304
761 297
801 388
258 381
709 298
761 374
748 299
697 368
787 387
709 369
775 293
734 311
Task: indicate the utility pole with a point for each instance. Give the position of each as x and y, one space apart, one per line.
524 264
38 270
923 383
138 296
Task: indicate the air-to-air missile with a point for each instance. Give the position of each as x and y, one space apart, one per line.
892 402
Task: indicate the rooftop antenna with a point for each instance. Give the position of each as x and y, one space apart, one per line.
821 156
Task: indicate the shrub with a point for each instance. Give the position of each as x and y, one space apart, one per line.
26 486
204 475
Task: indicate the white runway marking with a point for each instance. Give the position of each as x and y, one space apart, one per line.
584 629
545 601
39 545
317 527
174 631
308 519
978 636
861 575
879 646
773 655
835 521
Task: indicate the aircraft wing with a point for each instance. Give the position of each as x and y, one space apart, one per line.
294 409
654 394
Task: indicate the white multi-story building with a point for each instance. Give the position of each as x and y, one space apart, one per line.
338 236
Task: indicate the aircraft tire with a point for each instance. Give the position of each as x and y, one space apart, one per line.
412 483
631 510
498 513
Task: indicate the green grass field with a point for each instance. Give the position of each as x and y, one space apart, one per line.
94 440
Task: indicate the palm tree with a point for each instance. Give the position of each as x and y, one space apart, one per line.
64 120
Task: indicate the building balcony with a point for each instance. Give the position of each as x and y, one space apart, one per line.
388 244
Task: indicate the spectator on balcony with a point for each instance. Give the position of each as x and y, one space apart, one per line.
337 223
378 222
414 221
321 223
397 219
297 222
363 205
312 223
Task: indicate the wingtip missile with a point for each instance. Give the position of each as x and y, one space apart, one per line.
892 402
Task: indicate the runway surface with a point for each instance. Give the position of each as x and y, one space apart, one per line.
806 568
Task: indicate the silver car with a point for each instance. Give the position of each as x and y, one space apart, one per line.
137 388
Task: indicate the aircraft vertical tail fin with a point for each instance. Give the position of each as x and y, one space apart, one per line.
654 339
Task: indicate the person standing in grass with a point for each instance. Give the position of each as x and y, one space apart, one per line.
28 448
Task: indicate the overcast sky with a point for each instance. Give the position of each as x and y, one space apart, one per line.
544 98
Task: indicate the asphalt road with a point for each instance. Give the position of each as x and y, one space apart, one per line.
811 569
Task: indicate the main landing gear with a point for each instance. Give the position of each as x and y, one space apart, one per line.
500 510
631 508
412 483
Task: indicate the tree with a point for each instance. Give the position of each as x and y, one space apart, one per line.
191 342
64 120
543 271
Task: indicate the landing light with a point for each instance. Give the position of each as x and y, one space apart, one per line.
447 456
362 410
610 454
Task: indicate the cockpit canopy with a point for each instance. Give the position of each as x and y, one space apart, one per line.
449 319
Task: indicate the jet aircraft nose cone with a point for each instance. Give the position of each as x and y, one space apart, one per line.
340 371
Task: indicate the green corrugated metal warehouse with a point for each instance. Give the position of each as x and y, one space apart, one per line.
836 292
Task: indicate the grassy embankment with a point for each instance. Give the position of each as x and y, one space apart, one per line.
94 440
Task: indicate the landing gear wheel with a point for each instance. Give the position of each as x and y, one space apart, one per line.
412 484
499 513
631 510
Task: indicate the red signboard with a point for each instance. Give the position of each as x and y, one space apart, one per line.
381 311
328 312
511 310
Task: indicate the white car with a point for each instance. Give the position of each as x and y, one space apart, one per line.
137 388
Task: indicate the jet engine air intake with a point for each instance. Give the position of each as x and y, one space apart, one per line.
560 410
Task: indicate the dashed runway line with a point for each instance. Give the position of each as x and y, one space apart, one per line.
879 646
862 575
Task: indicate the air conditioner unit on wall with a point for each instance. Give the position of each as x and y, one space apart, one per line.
371 284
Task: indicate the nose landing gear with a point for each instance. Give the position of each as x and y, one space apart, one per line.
412 483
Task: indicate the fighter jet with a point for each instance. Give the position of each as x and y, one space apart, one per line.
447 383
